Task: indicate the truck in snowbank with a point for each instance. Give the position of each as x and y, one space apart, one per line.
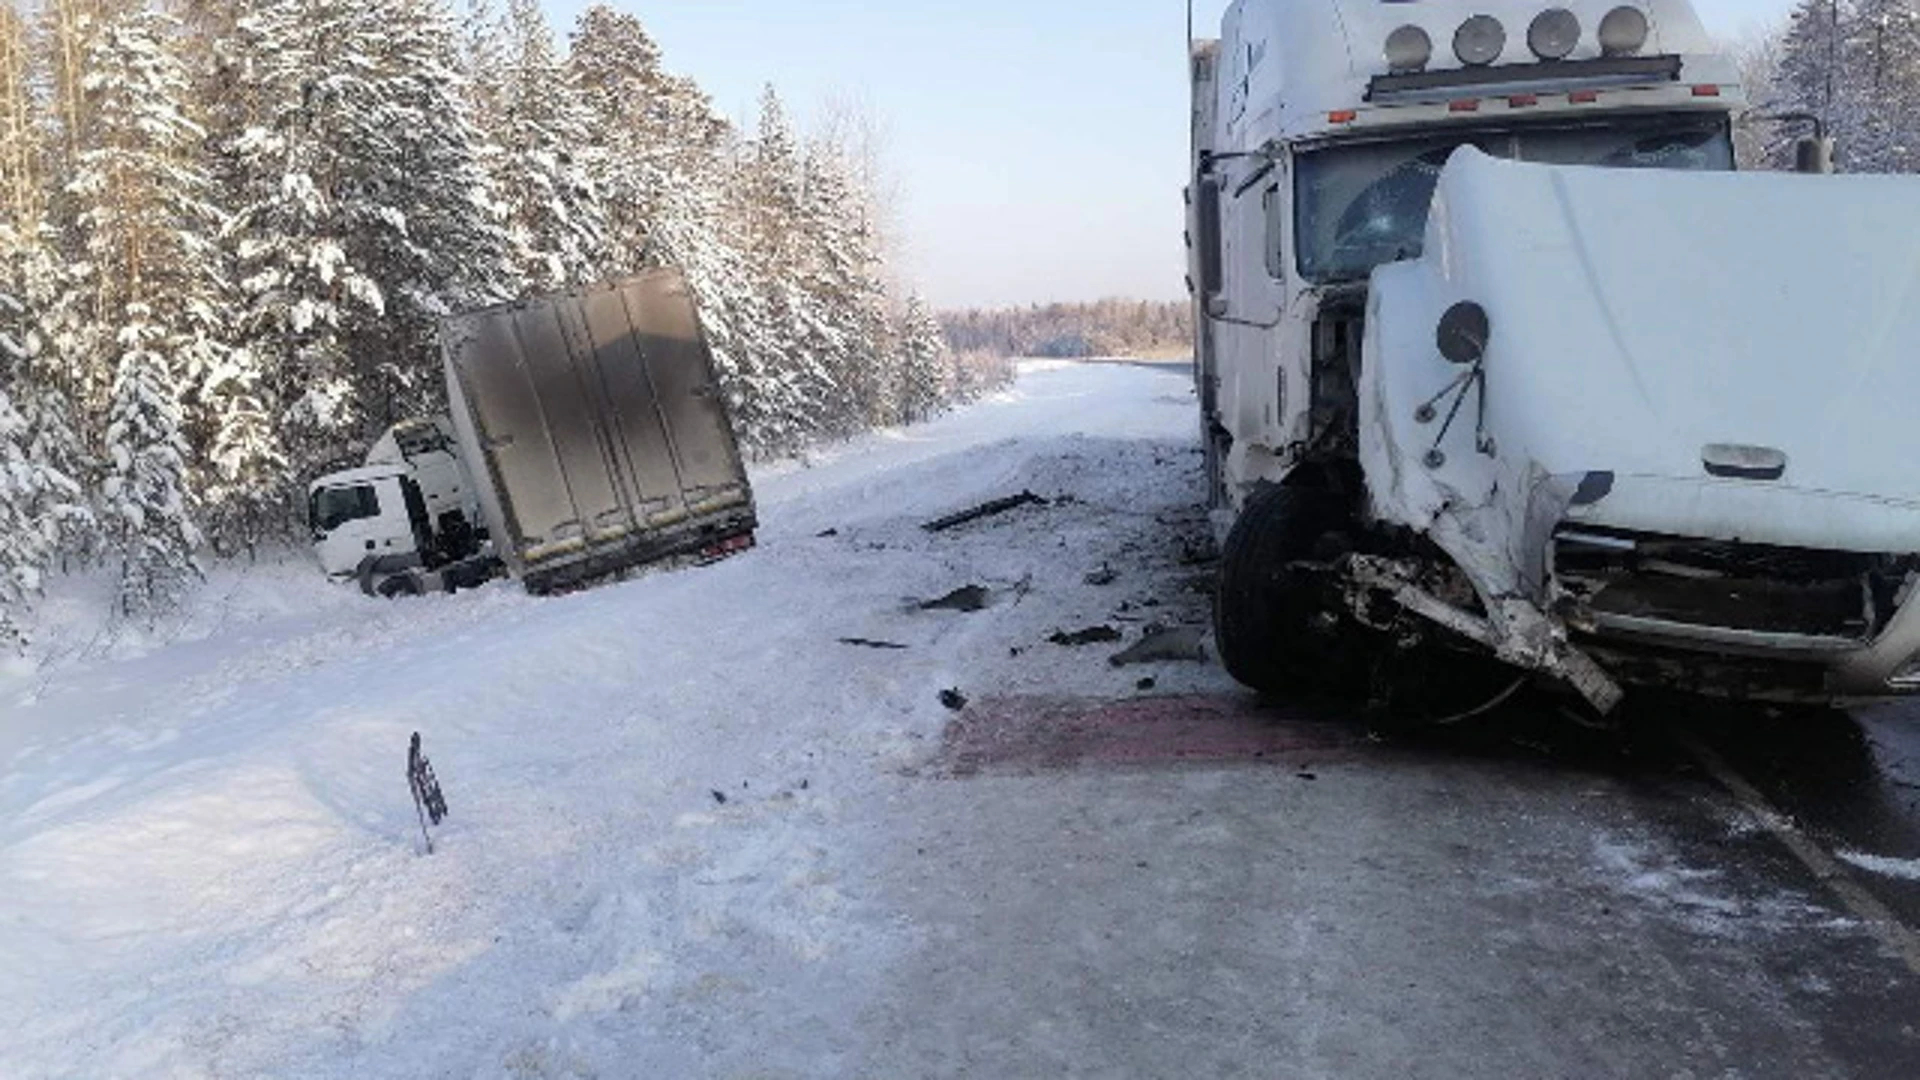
586 436
1496 350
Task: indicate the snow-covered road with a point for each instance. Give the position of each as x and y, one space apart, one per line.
695 833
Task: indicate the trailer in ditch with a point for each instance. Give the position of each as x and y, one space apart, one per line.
586 436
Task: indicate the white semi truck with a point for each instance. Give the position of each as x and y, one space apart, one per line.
586 436
1495 350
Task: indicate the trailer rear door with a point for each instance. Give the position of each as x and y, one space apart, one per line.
596 419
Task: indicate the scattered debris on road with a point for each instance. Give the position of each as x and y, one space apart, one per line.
1092 635
868 643
1180 645
953 699
965 598
987 509
1104 576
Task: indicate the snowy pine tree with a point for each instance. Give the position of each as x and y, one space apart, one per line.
363 214
807 343
143 499
42 398
1882 66
545 165
26 540
147 234
653 132
926 369
844 276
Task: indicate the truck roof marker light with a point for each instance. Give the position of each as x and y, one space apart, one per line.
1342 116
1408 50
1624 31
1479 41
1464 105
1553 34
1522 101
1584 97
1708 90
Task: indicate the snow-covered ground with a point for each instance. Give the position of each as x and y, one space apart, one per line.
694 833
210 862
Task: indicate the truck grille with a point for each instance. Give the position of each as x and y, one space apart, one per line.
1720 593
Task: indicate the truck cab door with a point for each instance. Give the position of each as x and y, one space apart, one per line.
354 520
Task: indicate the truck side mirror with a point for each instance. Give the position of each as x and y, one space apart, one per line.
1463 332
1813 154
1208 211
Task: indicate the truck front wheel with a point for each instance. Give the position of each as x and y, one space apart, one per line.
1270 622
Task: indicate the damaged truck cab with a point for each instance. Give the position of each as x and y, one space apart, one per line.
1495 350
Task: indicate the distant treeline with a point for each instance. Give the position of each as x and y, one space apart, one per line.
1101 328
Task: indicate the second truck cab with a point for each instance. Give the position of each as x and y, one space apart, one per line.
412 505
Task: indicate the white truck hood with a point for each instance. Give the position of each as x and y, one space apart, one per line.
1638 319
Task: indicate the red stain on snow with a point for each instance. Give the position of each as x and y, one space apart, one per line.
1024 734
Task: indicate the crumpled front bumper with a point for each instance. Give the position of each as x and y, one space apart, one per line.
1782 661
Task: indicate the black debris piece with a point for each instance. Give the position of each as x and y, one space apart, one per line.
1147 683
965 598
1306 776
953 699
867 643
720 797
1183 644
1092 635
827 534
1106 575
987 509
1196 554
1021 588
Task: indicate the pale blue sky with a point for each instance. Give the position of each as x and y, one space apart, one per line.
1039 144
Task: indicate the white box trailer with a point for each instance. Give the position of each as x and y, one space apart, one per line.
591 438
1497 351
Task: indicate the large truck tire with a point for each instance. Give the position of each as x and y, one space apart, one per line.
1270 621
378 573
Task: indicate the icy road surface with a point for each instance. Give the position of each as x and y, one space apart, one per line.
694 834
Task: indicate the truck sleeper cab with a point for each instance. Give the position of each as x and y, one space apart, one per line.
1362 481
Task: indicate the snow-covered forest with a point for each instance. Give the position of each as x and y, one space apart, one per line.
1109 327
228 227
1854 65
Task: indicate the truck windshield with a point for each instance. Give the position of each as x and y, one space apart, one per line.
335 506
1361 205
